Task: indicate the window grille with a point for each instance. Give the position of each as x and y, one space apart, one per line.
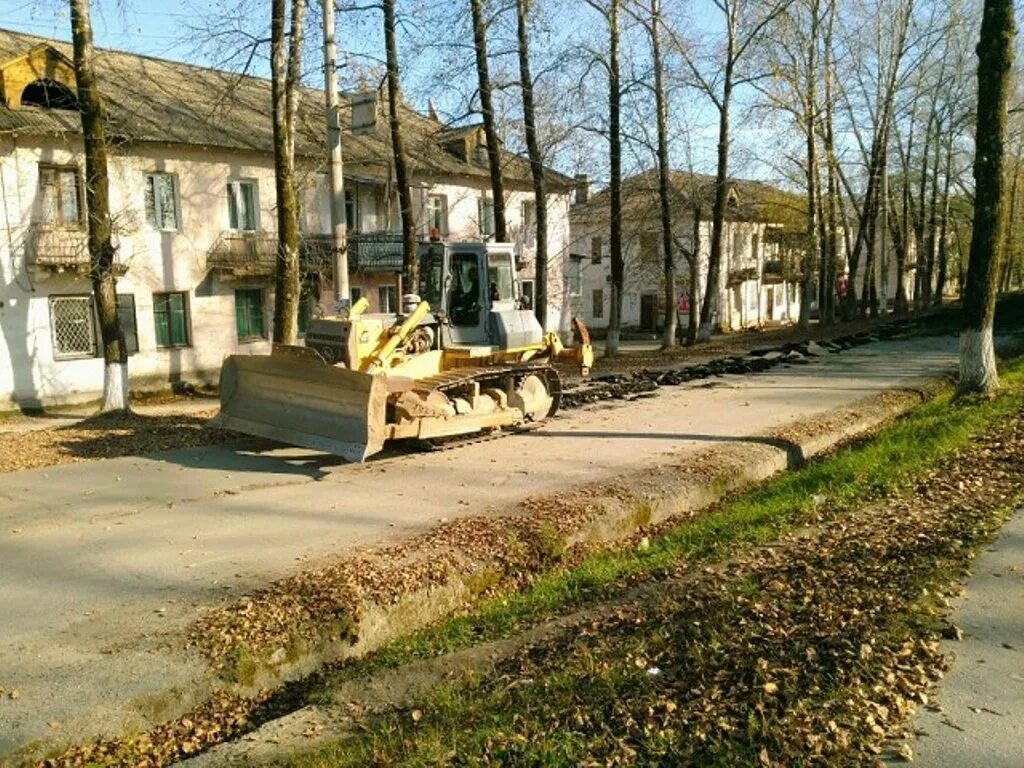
74 332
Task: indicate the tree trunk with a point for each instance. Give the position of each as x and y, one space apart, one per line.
97 205
536 166
813 180
664 196
709 306
410 260
995 66
830 256
933 223
490 130
692 319
285 73
615 182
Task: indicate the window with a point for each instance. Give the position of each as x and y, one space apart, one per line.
499 277
59 187
126 314
249 313
309 301
737 249
574 277
485 217
356 293
161 202
755 244
437 215
595 249
464 300
526 287
73 328
386 298
529 216
50 94
242 206
598 297
351 211
170 311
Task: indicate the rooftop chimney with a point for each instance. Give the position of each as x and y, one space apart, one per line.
364 112
581 188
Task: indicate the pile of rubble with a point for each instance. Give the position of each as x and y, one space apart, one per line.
644 383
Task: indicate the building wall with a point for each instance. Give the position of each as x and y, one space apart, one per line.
171 261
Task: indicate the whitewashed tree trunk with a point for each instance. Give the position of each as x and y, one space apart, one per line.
115 387
978 372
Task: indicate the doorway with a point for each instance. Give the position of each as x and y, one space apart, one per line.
649 312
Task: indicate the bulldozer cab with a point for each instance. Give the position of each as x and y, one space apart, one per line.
469 281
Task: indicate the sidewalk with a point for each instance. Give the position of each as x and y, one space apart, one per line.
976 720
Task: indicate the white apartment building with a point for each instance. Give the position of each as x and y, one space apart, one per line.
193 200
756 284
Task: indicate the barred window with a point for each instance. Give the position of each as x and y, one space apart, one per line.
73 327
598 303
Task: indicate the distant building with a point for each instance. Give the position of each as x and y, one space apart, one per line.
757 278
193 198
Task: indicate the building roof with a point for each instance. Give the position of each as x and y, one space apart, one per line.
157 100
749 200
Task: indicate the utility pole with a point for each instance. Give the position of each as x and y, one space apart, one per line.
339 246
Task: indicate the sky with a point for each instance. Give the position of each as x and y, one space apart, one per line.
168 29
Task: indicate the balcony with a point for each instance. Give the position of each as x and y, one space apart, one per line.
740 276
61 251
375 252
243 255
777 271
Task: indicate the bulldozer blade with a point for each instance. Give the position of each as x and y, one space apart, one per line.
300 400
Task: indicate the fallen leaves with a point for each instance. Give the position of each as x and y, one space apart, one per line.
106 437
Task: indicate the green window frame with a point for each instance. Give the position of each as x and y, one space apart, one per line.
170 313
249 314
126 314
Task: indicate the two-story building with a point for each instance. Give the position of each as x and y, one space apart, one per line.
756 281
193 202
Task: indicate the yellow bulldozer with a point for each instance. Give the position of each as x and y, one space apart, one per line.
467 356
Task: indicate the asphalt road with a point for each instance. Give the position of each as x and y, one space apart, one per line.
104 565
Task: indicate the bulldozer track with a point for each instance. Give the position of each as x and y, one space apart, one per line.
453 380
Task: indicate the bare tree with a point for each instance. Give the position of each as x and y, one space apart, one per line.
610 12
995 64
487 110
97 204
745 23
536 162
650 17
793 56
285 70
874 83
410 262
